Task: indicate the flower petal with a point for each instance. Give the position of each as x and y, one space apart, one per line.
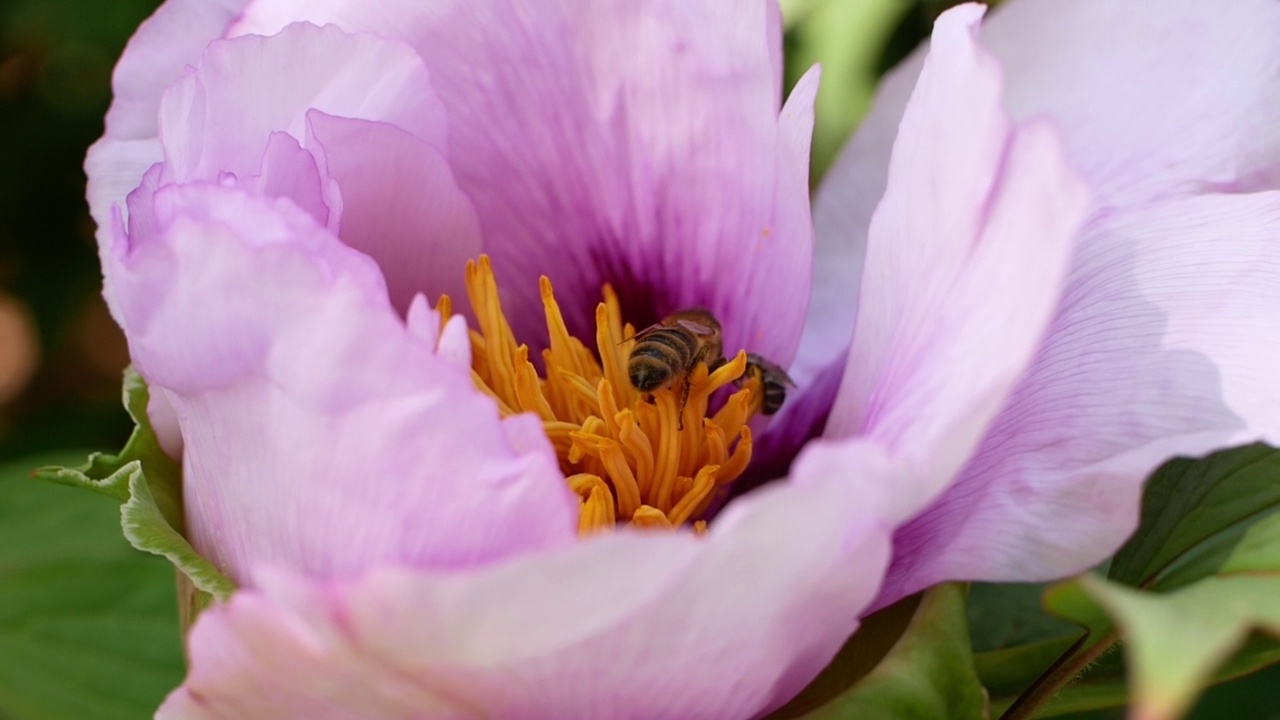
1160 348
115 168
217 118
1153 97
382 170
613 141
320 433
400 205
289 171
169 42
968 251
632 625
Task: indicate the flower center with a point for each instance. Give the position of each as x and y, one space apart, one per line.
631 457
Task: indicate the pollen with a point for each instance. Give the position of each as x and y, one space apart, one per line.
631 458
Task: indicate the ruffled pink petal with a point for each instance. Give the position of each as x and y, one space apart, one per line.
401 205
1153 97
290 171
632 625
612 141
968 251
1159 348
365 108
115 168
320 433
217 119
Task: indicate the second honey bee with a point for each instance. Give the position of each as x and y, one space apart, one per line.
671 349
773 382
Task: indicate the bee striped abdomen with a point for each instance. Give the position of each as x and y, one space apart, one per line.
661 357
773 383
774 396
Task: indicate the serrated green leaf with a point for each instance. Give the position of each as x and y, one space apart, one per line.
106 473
1193 512
148 483
928 674
146 528
88 626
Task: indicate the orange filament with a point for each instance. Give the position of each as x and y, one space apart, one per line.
627 456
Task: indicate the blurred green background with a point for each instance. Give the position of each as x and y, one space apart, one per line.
87 626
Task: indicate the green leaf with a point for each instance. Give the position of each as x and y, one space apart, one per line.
1006 673
1010 615
877 634
149 484
88 626
1175 642
1259 549
928 674
1178 642
1200 518
1014 639
146 528
1193 513
107 473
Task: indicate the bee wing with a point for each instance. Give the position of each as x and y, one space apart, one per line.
640 334
696 327
777 373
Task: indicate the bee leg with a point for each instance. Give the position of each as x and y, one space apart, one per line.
717 364
684 399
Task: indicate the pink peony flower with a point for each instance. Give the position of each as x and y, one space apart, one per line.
282 185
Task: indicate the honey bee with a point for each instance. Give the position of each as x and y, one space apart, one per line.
670 350
773 382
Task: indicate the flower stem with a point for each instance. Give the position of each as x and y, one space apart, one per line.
1058 676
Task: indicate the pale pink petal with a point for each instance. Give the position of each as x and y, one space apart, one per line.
452 342
320 433
400 205
289 171
613 141
217 119
378 179
632 625
164 421
1153 97
115 168
1161 347
968 251
162 49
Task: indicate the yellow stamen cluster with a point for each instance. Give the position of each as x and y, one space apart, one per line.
627 456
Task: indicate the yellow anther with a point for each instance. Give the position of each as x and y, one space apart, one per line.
703 485
444 307
651 517
596 512
629 457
